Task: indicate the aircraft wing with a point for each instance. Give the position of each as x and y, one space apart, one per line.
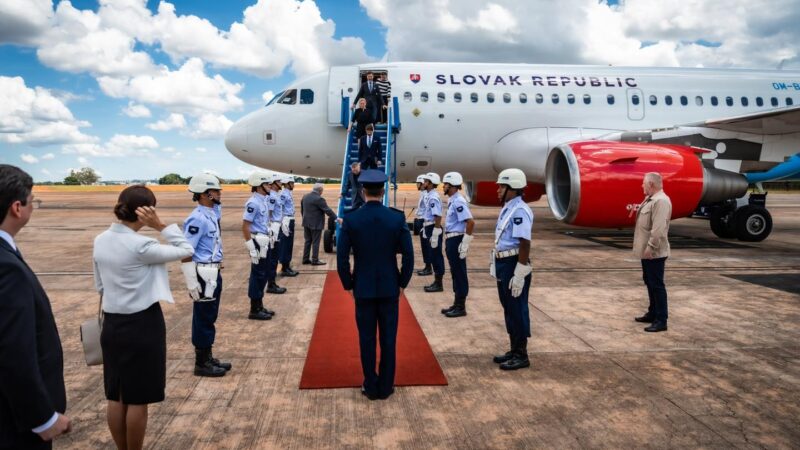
774 122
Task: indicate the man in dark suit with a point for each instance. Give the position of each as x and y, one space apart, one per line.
375 234
369 149
32 393
370 91
353 186
313 208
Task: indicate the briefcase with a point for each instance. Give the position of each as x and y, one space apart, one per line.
90 338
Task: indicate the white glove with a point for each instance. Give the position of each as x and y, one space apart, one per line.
251 248
518 280
274 229
463 247
492 271
285 226
424 236
435 237
189 270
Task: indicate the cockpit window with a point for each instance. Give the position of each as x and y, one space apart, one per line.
306 96
289 97
275 98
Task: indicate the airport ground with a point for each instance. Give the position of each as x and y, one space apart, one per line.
726 374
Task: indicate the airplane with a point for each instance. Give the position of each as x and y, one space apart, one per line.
584 135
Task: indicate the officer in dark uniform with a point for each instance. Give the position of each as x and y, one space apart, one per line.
375 280
511 266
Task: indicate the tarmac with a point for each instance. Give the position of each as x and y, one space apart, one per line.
726 374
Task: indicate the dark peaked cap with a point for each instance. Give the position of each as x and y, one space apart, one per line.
372 178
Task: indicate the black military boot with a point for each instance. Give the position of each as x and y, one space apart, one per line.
203 366
449 308
287 271
428 270
436 286
264 309
257 312
459 309
499 359
224 365
273 288
520 359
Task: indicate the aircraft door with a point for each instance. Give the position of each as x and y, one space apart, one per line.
635 104
342 82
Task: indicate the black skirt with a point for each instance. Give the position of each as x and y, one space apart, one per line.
135 356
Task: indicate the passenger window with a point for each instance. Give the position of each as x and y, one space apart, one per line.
289 97
587 98
714 100
440 97
668 100
684 100
653 100
473 97
457 97
729 101
506 98
423 97
774 101
555 99
698 101
745 101
306 96
635 99
539 98
759 101
789 101
523 98
407 96
610 99
570 99
490 97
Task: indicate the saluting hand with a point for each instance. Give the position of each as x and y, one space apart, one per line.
149 217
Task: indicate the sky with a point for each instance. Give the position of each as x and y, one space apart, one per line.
140 88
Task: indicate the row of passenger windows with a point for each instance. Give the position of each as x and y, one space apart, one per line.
587 99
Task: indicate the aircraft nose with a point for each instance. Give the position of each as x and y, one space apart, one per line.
236 138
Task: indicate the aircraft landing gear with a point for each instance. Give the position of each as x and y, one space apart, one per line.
750 222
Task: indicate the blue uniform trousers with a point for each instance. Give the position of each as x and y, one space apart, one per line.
204 315
286 246
515 309
435 254
377 314
458 266
424 245
258 279
653 276
272 257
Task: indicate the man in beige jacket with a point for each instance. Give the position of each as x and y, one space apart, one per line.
651 245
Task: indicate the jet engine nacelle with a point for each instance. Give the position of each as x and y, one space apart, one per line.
484 193
599 183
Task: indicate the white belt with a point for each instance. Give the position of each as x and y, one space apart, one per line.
212 265
275 221
428 223
506 253
453 234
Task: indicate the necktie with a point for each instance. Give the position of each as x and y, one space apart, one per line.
369 141
370 86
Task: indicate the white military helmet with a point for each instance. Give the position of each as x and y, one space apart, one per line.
433 178
203 182
514 178
257 179
454 178
287 179
274 178
421 178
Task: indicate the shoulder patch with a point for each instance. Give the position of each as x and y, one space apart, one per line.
193 229
272 200
433 204
460 209
250 209
517 220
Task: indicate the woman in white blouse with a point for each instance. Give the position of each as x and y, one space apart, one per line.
131 276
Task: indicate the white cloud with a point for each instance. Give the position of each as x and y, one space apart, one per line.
35 116
136 111
168 150
267 96
24 21
48 156
174 121
45 172
28 158
201 149
83 161
210 126
119 145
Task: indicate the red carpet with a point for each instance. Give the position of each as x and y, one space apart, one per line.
333 359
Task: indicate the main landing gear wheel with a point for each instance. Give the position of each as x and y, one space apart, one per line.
723 224
752 223
327 241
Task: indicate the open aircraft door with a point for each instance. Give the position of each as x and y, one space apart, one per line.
342 82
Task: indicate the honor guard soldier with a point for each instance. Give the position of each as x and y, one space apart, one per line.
287 227
202 271
433 230
418 226
257 240
458 228
275 220
510 265
375 281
